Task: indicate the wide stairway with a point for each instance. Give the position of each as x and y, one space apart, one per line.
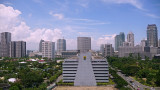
85 75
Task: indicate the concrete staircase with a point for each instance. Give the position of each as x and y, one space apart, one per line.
85 75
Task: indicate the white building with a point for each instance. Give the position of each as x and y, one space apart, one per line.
84 44
48 49
124 51
85 70
130 38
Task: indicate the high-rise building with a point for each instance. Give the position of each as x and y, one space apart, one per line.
48 49
159 42
152 35
17 49
143 43
61 46
119 39
108 50
40 45
102 49
130 38
5 42
84 44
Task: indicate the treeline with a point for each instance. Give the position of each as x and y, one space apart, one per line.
145 71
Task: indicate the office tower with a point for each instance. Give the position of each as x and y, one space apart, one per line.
102 49
48 49
40 45
85 70
84 44
119 39
152 35
5 42
108 50
61 46
130 38
159 42
17 49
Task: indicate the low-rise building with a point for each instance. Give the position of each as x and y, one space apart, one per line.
85 70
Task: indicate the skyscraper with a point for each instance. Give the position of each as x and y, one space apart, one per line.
48 49
102 49
5 42
130 38
119 39
108 50
152 35
40 45
159 42
17 49
61 46
84 44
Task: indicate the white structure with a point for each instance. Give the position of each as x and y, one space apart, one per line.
48 49
126 44
12 80
85 70
130 38
84 44
61 46
143 43
124 51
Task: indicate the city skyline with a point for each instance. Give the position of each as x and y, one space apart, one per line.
100 20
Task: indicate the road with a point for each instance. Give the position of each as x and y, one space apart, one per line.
53 85
136 85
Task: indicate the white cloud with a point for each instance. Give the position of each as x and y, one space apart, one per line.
56 15
153 16
135 3
106 39
10 22
8 17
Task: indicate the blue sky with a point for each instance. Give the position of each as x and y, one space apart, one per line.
100 19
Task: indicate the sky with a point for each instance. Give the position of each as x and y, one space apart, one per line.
102 20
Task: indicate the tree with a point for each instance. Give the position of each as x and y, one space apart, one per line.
158 78
14 88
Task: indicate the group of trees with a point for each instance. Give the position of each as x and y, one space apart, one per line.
146 71
120 82
29 75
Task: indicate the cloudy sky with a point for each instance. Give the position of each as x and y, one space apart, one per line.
32 20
